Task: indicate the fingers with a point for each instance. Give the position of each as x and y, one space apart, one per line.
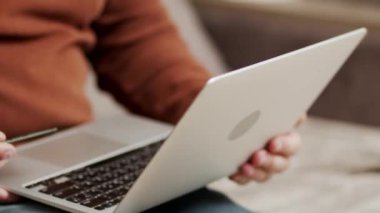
240 179
285 145
266 162
260 167
6 150
248 173
7 197
269 162
274 158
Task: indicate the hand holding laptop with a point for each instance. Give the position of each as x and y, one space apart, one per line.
6 152
271 159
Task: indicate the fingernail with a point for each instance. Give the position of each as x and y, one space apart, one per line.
241 179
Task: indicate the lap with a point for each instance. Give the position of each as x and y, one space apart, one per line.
200 201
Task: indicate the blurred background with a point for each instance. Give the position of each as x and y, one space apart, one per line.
250 31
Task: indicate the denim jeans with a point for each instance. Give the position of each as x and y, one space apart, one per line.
200 201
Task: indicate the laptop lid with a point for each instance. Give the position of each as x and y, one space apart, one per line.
234 115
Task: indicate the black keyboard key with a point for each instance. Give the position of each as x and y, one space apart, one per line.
94 201
93 192
68 192
88 184
78 177
77 198
57 187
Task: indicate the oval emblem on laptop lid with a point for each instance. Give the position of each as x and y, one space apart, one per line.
244 125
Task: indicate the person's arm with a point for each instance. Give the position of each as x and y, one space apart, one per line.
142 61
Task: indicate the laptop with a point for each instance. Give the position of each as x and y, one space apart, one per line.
133 163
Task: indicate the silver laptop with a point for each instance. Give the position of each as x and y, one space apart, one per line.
132 164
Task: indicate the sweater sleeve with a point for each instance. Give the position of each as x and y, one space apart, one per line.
141 59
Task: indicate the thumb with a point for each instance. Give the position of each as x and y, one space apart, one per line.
7 197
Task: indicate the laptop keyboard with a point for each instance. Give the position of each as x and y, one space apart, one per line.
101 185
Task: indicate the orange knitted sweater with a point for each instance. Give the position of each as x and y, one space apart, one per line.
47 47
